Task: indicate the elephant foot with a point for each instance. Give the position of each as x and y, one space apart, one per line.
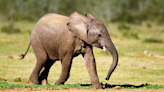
34 79
45 82
59 83
97 86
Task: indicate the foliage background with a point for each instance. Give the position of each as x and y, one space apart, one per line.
134 11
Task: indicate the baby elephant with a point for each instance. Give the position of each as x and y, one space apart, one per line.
57 37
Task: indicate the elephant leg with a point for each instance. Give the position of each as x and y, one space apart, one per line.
34 77
66 67
41 56
91 67
44 73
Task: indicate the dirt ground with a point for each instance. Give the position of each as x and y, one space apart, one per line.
78 90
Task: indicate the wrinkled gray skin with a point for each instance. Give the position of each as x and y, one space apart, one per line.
56 37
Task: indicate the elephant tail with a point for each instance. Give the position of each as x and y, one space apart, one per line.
23 55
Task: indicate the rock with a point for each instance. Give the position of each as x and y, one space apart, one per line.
17 80
117 87
146 52
2 79
151 55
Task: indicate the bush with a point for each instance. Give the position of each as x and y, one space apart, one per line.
162 30
129 34
149 24
126 31
10 29
124 26
152 40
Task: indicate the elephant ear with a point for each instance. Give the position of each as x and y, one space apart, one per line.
90 16
77 24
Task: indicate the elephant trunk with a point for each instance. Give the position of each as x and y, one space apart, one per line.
110 46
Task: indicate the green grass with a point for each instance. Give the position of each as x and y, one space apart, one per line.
134 66
6 85
88 86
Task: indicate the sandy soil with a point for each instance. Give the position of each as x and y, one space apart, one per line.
78 90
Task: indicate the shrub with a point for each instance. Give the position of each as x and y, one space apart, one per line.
148 24
162 30
10 29
124 26
126 31
129 34
152 40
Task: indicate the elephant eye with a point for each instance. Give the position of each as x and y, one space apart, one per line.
99 35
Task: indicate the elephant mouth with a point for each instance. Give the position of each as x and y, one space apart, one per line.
102 47
99 46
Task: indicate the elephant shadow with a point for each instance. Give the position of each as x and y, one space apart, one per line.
122 85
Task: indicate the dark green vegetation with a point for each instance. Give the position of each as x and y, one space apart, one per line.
153 40
6 85
10 29
132 11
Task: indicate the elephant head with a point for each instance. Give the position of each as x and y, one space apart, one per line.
94 33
